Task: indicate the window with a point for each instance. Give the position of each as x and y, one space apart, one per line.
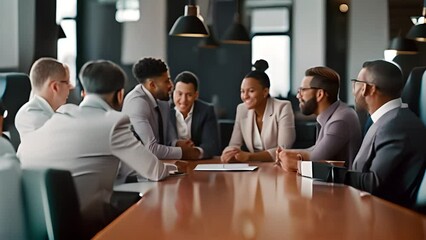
66 12
272 42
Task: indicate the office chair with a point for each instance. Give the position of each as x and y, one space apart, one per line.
421 197
226 126
12 220
414 92
51 204
15 90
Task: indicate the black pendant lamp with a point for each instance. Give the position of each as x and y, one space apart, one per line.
418 31
237 33
190 24
403 45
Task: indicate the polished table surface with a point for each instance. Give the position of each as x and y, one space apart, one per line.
263 204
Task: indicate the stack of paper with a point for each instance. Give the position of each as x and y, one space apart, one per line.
225 167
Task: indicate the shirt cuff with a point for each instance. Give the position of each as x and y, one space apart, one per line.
201 152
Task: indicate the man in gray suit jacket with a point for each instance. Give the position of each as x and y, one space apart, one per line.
148 108
193 119
338 128
50 83
90 140
391 161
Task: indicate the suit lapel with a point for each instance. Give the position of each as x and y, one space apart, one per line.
195 120
366 148
247 129
267 124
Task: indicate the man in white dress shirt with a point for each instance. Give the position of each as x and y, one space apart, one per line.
192 118
50 83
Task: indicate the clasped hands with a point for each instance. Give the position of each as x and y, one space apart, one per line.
189 151
287 159
234 154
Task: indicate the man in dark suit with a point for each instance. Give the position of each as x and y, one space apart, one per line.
391 161
193 119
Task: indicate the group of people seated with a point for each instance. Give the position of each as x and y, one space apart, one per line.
111 138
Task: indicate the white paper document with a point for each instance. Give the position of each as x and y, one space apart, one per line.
225 167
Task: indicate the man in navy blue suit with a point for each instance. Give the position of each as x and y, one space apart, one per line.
392 159
193 119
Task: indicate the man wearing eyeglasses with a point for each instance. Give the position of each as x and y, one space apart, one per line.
392 158
50 84
338 127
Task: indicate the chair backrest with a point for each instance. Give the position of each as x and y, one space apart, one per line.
12 215
414 92
226 126
51 204
421 197
15 91
305 134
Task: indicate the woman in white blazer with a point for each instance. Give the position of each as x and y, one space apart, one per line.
262 123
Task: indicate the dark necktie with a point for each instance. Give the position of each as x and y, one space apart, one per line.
160 125
367 125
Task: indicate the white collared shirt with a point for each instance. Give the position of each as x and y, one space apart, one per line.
257 139
183 125
392 104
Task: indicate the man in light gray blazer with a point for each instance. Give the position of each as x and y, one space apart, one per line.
90 140
391 161
148 108
50 83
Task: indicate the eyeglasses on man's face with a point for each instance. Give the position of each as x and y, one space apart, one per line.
360 81
302 89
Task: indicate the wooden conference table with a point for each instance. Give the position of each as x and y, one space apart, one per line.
263 204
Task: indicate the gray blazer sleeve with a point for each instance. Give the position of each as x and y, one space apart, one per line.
129 150
141 117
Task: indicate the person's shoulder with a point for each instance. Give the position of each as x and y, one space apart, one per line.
32 105
279 103
69 107
202 105
242 107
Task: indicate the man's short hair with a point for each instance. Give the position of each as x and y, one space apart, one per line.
326 79
147 68
187 77
43 69
102 77
386 76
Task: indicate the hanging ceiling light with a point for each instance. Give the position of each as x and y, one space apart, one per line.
190 24
237 33
210 41
418 31
403 45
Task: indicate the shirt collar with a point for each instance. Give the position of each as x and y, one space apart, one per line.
93 100
178 113
392 104
323 117
148 93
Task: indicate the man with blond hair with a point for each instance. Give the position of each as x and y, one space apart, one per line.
50 84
